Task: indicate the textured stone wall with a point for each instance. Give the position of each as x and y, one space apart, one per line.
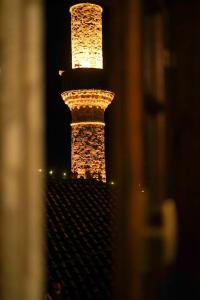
88 155
86 35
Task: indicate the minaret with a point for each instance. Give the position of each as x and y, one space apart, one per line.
89 100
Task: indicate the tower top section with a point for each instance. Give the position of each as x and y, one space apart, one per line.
86 5
86 36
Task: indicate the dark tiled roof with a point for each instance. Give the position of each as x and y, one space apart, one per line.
80 221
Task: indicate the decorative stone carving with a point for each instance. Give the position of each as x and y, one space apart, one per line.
88 158
86 36
76 99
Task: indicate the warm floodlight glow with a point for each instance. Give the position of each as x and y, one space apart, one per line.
86 36
40 170
76 99
50 172
88 123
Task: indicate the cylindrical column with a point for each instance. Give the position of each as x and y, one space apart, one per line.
88 155
87 105
88 150
86 36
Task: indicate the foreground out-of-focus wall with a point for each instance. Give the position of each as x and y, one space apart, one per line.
156 75
127 162
21 149
147 218
184 127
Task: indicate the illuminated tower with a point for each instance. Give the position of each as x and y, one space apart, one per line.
89 98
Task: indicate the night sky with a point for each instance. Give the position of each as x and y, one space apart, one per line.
57 113
58 57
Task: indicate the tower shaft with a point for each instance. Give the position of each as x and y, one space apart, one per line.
88 158
88 150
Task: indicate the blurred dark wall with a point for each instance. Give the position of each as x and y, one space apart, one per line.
185 116
171 157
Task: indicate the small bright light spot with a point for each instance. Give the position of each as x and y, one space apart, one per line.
141 188
40 170
50 172
112 183
64 174
60 72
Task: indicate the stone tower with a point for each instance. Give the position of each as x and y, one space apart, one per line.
89 98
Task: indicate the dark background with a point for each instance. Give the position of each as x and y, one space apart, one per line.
57 113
